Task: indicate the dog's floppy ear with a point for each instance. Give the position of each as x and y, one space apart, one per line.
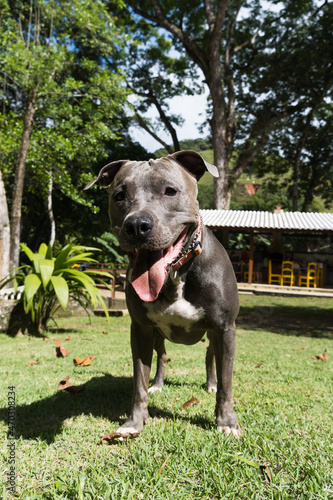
107 174
194 163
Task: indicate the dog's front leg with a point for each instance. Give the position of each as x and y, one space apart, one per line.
225 350
142 343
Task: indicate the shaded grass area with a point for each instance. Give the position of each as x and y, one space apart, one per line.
283 399
298 316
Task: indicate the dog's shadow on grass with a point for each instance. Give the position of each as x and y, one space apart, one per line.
105 397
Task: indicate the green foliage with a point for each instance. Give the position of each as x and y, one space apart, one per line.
63 55
202 146
50 281
206 195
286 78
110 249
55 58
276 73
155 73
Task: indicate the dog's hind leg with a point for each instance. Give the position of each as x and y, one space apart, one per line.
162 360
210 366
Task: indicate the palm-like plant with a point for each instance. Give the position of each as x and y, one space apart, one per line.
50 281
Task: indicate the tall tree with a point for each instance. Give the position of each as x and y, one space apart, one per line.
155 76
60 101
4 231
244 51
316 177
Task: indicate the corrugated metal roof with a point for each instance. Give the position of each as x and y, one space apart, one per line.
286 221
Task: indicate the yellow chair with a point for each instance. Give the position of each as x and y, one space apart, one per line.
320 274
310 277
273 277
287 273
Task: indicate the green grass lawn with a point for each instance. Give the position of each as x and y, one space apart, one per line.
282 396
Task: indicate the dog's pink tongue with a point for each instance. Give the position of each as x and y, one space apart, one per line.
148 274
149 270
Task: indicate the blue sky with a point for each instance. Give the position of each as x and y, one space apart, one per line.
192 109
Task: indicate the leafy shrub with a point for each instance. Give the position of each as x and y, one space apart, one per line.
110 249
50 281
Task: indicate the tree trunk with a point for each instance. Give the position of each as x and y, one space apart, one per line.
214 78
222 188
222 191
296 168
4 232
309 194
50 210
302 142
15 218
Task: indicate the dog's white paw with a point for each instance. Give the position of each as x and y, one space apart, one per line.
120 435
212 388
153 389
237 433
125 432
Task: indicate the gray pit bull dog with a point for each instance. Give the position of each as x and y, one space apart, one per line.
180 281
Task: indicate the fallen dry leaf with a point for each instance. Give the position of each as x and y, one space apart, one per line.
65 385
191 402
83 361
68 338
34 362
301 348
105 332
61 351
258 365
117 436
265 472
322 357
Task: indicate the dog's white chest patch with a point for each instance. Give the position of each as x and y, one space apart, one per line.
179 313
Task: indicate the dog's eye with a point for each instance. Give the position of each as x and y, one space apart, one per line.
119 196
169 191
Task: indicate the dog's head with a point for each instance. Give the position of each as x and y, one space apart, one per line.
153 207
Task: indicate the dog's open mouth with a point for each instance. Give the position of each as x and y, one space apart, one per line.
150 269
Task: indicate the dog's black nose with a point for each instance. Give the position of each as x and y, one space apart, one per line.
139 228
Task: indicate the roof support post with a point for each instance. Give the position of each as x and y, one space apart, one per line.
251 257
